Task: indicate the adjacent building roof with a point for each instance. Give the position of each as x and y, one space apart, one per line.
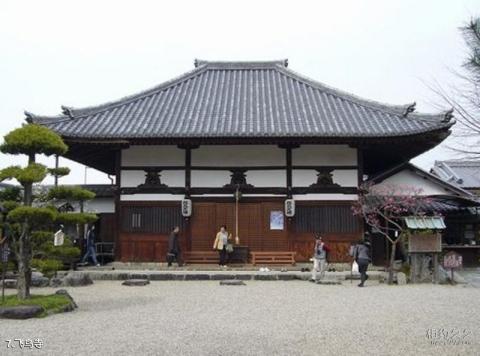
465 174
450 188
425 222
242 99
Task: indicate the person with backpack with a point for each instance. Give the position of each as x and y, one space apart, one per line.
90 250
361 255
174 252
319 258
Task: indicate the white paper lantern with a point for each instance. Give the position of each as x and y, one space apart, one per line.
289 208
186 208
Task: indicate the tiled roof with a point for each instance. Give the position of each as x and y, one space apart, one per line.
100 190
447 185
465 174
242 99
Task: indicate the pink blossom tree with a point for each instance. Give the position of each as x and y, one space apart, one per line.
383 208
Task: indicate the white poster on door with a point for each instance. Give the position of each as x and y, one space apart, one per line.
276 220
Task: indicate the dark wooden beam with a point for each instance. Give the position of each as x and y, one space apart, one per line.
250 190
233 168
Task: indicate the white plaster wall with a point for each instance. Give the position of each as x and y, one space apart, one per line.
145 155
97 205
211 179
101 205
220 178
409 179
238 155
309 155
150 197
304 177
170 178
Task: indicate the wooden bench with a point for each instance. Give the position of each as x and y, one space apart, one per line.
105 249
201 257
273 257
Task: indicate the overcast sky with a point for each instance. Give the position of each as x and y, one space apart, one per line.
85 53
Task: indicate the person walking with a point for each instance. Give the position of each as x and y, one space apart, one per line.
319 258
361 255
90 250
174 252
221 241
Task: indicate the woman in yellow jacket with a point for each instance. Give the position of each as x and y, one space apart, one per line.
221 241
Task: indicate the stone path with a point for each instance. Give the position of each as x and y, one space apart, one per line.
261 318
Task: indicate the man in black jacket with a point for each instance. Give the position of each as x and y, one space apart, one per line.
174 251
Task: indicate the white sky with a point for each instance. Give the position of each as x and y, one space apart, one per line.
84 53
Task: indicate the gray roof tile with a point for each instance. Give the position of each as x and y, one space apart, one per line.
240 99
465 174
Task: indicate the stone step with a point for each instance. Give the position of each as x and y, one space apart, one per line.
216 275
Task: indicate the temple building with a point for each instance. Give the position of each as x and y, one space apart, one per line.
270 153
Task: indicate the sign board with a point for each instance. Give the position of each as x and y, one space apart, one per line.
452 260
58 238
276 220
422 243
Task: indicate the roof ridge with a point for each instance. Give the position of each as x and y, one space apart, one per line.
241 64
399 110
459 162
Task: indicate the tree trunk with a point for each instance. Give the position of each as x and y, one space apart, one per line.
24 268
24 256
392 261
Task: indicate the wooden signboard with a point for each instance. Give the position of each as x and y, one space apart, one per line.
452 260
422 243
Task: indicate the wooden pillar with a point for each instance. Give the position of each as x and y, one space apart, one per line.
118 220
435 268
188 171
360 182
289 191
360 170
188 179
288 152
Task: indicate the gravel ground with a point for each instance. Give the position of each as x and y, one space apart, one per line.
261 318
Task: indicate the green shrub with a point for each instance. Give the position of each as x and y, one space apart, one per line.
33 139
50 304
35 216
70 193
76 218
47 266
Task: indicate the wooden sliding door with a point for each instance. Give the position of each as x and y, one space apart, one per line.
254 224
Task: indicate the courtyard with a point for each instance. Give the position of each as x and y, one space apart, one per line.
260 318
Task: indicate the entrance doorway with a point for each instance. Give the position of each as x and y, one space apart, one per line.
255 226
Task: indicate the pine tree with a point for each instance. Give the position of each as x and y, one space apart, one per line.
31 220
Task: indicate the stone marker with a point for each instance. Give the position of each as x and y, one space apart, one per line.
328 282
55 282
10 283
232 282
20 311
40 281
401 279
77 279
136 282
